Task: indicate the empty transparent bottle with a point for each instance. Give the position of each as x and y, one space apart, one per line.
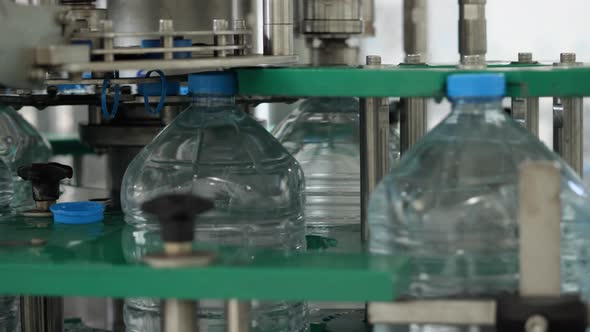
8 305
323 134
6 191
20 144
451 202
216 151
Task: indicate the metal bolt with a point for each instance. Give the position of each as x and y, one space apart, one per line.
373 60
167 40
106 25
220 25
536 323
525 57
166 25
239 24
220 40
567 58
414 59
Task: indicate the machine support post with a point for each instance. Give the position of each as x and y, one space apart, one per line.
473 33
569 123
413 120
527 109
278 27
238 315
42 314
374 122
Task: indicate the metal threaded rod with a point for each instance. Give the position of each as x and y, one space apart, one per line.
527 109
414 28
374 125
473 44
569 134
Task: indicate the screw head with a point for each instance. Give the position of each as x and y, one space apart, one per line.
220 25
373 60
525 57
567 58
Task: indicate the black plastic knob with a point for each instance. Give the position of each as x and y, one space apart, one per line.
45 179
177 214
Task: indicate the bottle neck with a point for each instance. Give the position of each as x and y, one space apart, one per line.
477 105
213 100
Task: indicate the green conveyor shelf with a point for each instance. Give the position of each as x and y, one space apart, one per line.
407 81
100 260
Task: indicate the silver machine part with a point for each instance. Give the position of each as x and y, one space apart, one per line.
413 120
42 314
327 25
569 124
527 109
374 133
332 18
334 52
415 27
472 33
179 316
16 55
369 17
144 15
540 241
238 315
278 27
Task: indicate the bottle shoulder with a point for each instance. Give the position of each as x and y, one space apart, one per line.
20 142
470 162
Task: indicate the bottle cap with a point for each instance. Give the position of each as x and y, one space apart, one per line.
77 213
214 83
476 86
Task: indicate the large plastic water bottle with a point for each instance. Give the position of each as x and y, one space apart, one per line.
323 135
216 151
8 305
20 144
451 203
6 191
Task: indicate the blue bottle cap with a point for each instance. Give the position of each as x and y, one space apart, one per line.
213 83
77 213
476 86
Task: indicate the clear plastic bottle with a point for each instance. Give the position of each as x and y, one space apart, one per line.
323 135
216 151
20 144
451 202
6 191
8 305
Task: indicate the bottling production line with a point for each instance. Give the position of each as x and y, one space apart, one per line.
75 44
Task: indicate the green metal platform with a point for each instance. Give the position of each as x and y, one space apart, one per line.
407 81
97 261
